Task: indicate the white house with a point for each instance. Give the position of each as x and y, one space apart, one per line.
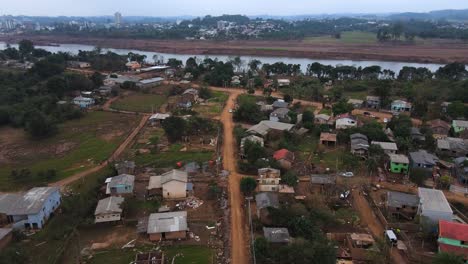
433 205
108 209
345 123
83 102
172 184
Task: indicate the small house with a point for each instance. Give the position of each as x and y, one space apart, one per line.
158 118
171 185
359 145
328 139
399 163
322 179
235 81
280 103
345 123
416 135
31 209
83 102
79 64
360 245
400 106
108 209
452 147
264 127
433 205
276 235
125 167
264 200
191 95
283 82
356 103
423 160
105 90
400 204
167 226
150 83
440 128
459 125
280 115
120 185
322 119
284 157
388 147
268 180
453 238
133 65
373 102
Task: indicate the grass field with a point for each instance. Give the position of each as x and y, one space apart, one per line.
213 106
80 144
190 255
140 102
348 37
170 158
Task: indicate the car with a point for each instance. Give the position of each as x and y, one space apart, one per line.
230 110
367 113
347 174
391 237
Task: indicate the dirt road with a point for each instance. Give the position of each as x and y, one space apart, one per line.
431 51
113 157
239 247
370 220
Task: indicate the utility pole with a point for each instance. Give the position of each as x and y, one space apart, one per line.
251 230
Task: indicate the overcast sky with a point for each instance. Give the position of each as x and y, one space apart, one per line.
218 7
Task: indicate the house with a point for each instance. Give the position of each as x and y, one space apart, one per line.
264 200
276 235
284 157
268 180
399 163
6 235
322 119
108 209
452 147
120 185
114 79
423 160
157 68
416 135
345 123
79 64
125 167
440 128
400 204
83 102
158 118
133 65
150 83
235 81
388 147
31 209
191 95
433 205
184 103
167 226
373 102
105 90
444 106
251 138
283 82
359 246
322 179
400 106
356 103
459 125
359 145
328 139
453 238
280 115
460 170
264 127
266 108
280 104
171 185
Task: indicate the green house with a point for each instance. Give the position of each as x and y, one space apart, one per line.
459 125
399 163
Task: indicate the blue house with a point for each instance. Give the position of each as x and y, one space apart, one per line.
31 209
401 106
120 185
83 102
423 160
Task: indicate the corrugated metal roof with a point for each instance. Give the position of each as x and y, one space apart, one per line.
386 145
167 222
399 158
398 199
109 205
30 202
266 199
433 200
276 235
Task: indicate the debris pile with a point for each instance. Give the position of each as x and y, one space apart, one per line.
191 202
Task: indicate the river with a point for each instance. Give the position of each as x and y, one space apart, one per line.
394 66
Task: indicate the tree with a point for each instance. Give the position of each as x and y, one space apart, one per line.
254 64
287 98
342 107
205 93
57 85
97 79
253 151
447 258
174 127
290 178
248 185
418 176
25 47
456 110
39 125
453 71
174 63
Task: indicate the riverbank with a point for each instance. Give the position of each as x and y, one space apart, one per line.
436 51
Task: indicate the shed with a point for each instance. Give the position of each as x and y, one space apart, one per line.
108 209
171 225
276 235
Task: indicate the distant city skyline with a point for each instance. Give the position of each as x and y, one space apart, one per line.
216 7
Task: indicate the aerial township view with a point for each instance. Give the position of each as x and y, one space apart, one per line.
206 132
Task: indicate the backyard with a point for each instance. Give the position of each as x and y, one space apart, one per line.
80 144
213 106
140 102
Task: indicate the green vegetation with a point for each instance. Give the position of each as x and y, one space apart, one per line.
114 256
88 136
347 37
213 106
190 254
145 103
169 159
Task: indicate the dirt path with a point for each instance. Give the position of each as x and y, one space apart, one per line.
239 247
113 157
370 220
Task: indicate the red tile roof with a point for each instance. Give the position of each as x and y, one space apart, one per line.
453 230
283 154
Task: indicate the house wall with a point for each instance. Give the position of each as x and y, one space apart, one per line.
398 167
155 237
174 190
107 217
127 189
175 235
435 216
458 129
268 188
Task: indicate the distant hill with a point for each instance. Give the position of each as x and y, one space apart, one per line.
449 14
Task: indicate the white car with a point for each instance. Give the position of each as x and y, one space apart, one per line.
347 174
230 110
